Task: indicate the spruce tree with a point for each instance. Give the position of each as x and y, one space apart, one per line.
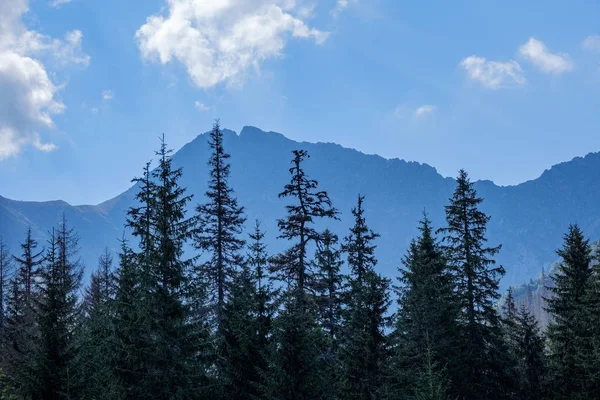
364 348
483 366
220 224
527 345
167 285
6 270
247 327
588 346
329 287
247 324
131 328
20 325
154 290
58 317
298 343
431 382
567 330
427 311
96 338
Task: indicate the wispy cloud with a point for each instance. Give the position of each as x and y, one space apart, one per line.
107 95
538 54
591 43
200 106
424 111
493 74
58 3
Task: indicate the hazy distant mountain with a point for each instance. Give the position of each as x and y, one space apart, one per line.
528 219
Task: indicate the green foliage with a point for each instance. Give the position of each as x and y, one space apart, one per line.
364 345
426 318
482 371
58 316
568 330
220 224
247 325
169 325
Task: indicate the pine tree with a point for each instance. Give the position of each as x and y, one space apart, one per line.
96 338
364 346
220 224
298 343
567 305
482 370
20 325
58 317
427 312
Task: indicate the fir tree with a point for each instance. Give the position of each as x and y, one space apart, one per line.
220 224
58 317
482 369
298 343
364 346
427 312
567 328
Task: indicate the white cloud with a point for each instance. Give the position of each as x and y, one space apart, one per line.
200 107
538 54
29 97
107 95
218 41
58 3
592 43
424 111
493 74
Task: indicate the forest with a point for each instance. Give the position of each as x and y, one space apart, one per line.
230 320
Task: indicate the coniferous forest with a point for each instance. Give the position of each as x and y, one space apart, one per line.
230 320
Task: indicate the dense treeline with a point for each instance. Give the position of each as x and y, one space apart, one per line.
231 321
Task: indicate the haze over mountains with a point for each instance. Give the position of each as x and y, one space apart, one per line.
527 219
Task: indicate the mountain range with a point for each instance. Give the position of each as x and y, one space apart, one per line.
528 219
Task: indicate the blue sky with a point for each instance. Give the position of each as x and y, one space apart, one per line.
504 89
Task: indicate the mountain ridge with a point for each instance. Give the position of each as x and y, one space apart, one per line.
528 218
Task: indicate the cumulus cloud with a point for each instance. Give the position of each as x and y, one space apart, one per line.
538 54
592 43
200 106
493 74
29 97
107 95
218 41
